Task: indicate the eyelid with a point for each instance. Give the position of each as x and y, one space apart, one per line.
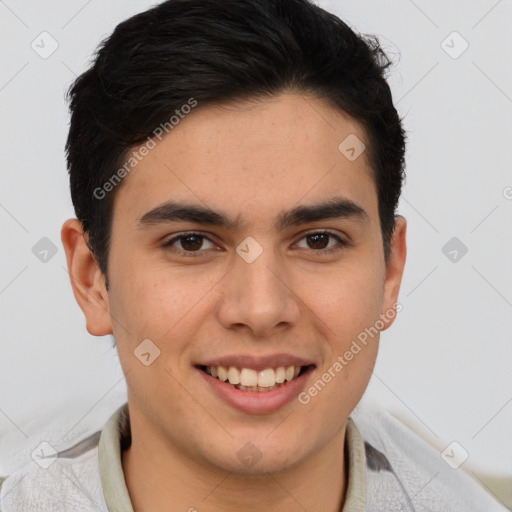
342 243
315 231
184 234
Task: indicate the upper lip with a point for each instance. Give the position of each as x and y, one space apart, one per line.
257 363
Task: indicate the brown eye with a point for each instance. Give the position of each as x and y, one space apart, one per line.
189 243
320 241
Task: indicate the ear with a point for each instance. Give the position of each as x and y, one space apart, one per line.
87 281
394 272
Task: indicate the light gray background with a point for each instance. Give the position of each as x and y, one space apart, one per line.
444 366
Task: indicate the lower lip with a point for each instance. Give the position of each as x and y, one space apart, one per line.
257 402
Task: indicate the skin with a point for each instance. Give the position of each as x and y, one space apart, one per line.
251 160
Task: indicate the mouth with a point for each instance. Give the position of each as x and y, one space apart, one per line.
261 384
252 380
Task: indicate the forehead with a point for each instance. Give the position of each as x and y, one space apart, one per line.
253 158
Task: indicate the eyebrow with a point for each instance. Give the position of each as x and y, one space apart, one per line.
335 208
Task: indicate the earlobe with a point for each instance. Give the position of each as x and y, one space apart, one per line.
87 281
394 272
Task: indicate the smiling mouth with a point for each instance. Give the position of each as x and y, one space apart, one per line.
247 379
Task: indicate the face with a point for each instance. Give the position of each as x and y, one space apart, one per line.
265 278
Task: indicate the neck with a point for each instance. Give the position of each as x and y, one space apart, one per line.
159 477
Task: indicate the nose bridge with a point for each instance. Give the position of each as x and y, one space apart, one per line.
255 272
255 291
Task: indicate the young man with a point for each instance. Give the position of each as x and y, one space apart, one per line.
235 168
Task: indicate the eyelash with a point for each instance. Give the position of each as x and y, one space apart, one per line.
194 254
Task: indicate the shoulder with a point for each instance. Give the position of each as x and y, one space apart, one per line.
404 469
56 480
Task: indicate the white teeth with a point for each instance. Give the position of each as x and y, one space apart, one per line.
234 375
267 378
248 379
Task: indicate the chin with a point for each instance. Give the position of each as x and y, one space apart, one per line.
252 459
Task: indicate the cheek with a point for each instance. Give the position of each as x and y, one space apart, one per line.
347 301
153 301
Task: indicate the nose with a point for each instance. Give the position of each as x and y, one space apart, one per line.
258 297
